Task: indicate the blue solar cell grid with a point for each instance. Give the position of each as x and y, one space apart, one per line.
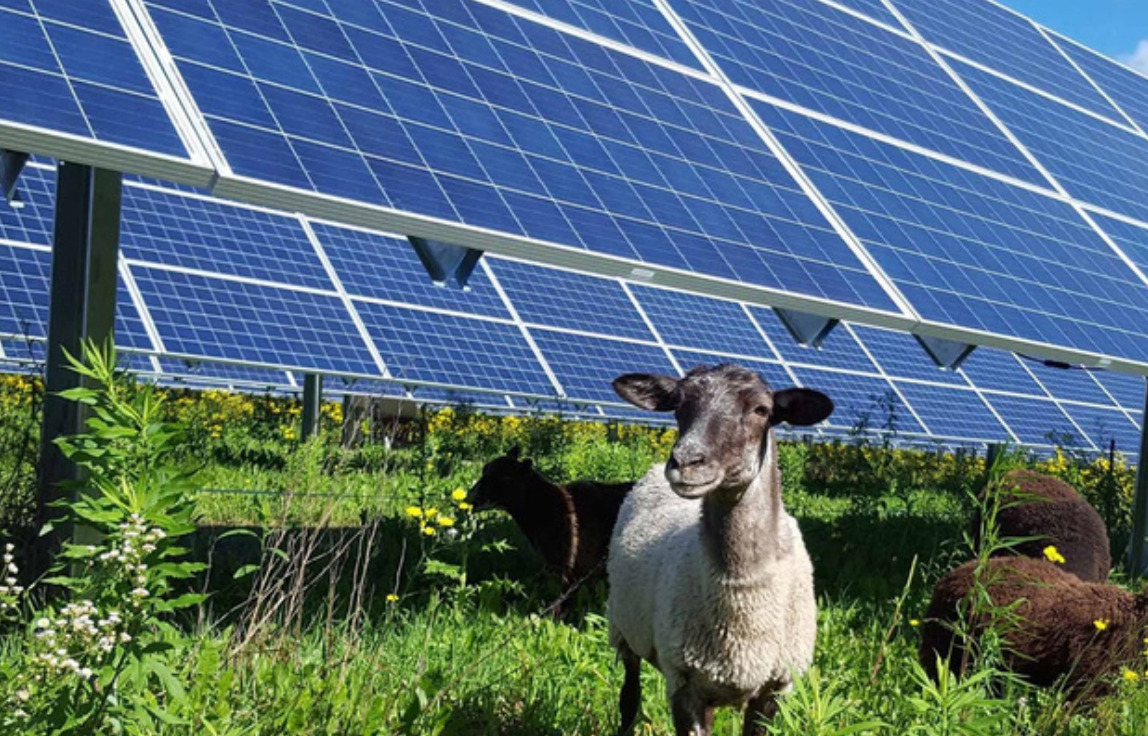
1102 426
701 323
553 298
24 275
1129 391
813 55
969 250
222 372
636 23
954 413
32 223
998 370
1131 239
987 33
585 366
901 356
177 230
1094 161
1034 421
862 402
875 9
382 267
69 68
520 129
1070 384
838 349
1127 89
453 350
253 323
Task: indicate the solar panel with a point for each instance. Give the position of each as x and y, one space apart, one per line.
68 68
172 229
1070 385
989 34
385 267
861 402
636 23
226 319
969 250
1127 390
813 55
900 356
198 371
701 323
997 370
954 413
1102 426
1095 161
523 130
33 222
553 298
1128 89
433 347
586 365
875 9
1034 421
838 350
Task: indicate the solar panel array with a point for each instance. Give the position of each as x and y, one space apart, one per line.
217 292
891 162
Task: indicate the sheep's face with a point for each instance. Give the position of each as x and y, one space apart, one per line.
724 416
500 477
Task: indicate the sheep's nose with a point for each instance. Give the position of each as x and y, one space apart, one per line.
686 458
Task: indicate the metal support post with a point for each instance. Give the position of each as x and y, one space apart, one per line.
1138 544
85 247
312 399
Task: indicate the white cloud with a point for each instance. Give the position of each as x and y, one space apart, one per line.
1138 59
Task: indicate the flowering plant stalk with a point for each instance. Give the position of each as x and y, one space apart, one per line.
99 661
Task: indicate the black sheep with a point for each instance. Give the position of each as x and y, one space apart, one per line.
1060 625
1051 511
568 526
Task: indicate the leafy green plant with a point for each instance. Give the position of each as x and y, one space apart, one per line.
816 707
102 661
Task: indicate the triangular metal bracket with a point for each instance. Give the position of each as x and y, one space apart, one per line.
807 329
11 166
444 261
946 353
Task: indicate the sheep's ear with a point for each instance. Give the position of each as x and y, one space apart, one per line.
801 407
528 463
648 391
513 452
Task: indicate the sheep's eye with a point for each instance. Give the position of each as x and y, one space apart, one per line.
761 411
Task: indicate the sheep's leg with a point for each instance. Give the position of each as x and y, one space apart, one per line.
630 700
691 717
758 712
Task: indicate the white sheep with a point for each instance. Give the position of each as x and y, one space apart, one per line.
709 578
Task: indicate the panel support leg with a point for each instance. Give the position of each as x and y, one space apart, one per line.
1138 544
85 247
312 399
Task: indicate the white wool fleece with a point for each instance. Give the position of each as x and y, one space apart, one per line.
673 606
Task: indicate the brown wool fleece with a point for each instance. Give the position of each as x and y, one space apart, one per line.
1054 631
1037 505
569 527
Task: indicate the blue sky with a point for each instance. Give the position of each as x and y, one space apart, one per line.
1113 27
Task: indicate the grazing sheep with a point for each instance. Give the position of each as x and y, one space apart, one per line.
709 578
569 527
1053 513
1052 631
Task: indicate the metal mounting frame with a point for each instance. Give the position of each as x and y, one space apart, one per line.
946 353
807 329
444 261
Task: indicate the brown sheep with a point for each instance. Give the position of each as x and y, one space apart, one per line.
568 526
1053 629
1051 511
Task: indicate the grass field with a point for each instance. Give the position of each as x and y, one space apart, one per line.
335 613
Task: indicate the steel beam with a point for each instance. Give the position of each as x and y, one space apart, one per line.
1138 544
312 400
85 246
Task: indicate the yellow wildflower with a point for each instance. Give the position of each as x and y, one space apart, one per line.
431 513
1052 554
415 512
914 622
445 521
428 530
1101 624
458 494
464 506
1130 676
391 597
